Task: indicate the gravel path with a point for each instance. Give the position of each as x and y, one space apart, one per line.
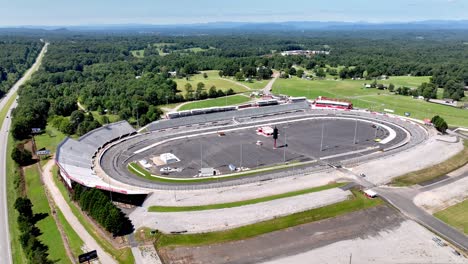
88 240
222 219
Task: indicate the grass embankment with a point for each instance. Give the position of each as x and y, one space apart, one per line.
220 101
372 98
50 233
456 216
435 171
137 170
357 202
241 203
123 255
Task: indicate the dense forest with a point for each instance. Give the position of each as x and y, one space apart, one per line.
129 75
17 54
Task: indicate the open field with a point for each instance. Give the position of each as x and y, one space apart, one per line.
456 216
241 203
74 240
49 139
372 98
213 79
220 101
358 202
138 53
123 255
435 171
50 233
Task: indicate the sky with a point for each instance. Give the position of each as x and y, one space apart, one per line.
91 12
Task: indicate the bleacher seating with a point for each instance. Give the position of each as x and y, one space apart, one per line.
75 157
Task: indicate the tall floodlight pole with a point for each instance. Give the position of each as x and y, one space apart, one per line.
240 156
201 155
321 140
285 144
355 132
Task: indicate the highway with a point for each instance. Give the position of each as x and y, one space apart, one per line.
5 250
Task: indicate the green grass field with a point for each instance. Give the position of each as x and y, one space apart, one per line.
123 255
372 98
50 233
138 53
241 203
255 85
456 216
49 139
357 202
221 101
213 79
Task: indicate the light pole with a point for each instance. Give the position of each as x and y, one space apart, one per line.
355 132
201 155
321 139
285 144
240 157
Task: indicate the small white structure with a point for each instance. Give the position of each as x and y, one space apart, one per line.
206 172
144 163
370 193
168 158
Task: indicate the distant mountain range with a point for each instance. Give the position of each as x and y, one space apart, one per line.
268 26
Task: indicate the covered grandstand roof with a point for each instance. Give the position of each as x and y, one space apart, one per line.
220 116
75 157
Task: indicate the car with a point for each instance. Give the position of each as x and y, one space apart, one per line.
362 175
377 140
259 143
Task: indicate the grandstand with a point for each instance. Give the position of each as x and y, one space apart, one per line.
75 158
229 115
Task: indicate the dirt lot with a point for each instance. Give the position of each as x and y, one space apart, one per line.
331 241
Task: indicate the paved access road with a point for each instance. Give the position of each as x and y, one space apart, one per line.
5 250
402 198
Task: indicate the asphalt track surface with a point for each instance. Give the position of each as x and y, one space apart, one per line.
5 251
239 147
338 138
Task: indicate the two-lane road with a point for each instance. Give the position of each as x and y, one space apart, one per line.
5 250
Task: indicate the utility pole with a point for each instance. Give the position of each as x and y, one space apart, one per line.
201 155
355 132
321 140
240 157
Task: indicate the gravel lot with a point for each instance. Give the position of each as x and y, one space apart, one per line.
430 152
375 235
408 243
241 192
446 195
222 219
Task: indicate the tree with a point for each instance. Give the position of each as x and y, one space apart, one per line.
76 118
299 73
380 86
24 207
189 91
21 156
292 71
239 76
320 73
391 87
205 75
212 93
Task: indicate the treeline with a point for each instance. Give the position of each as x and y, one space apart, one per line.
100 208
17 54
34 249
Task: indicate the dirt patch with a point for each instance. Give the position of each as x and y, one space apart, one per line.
291 241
